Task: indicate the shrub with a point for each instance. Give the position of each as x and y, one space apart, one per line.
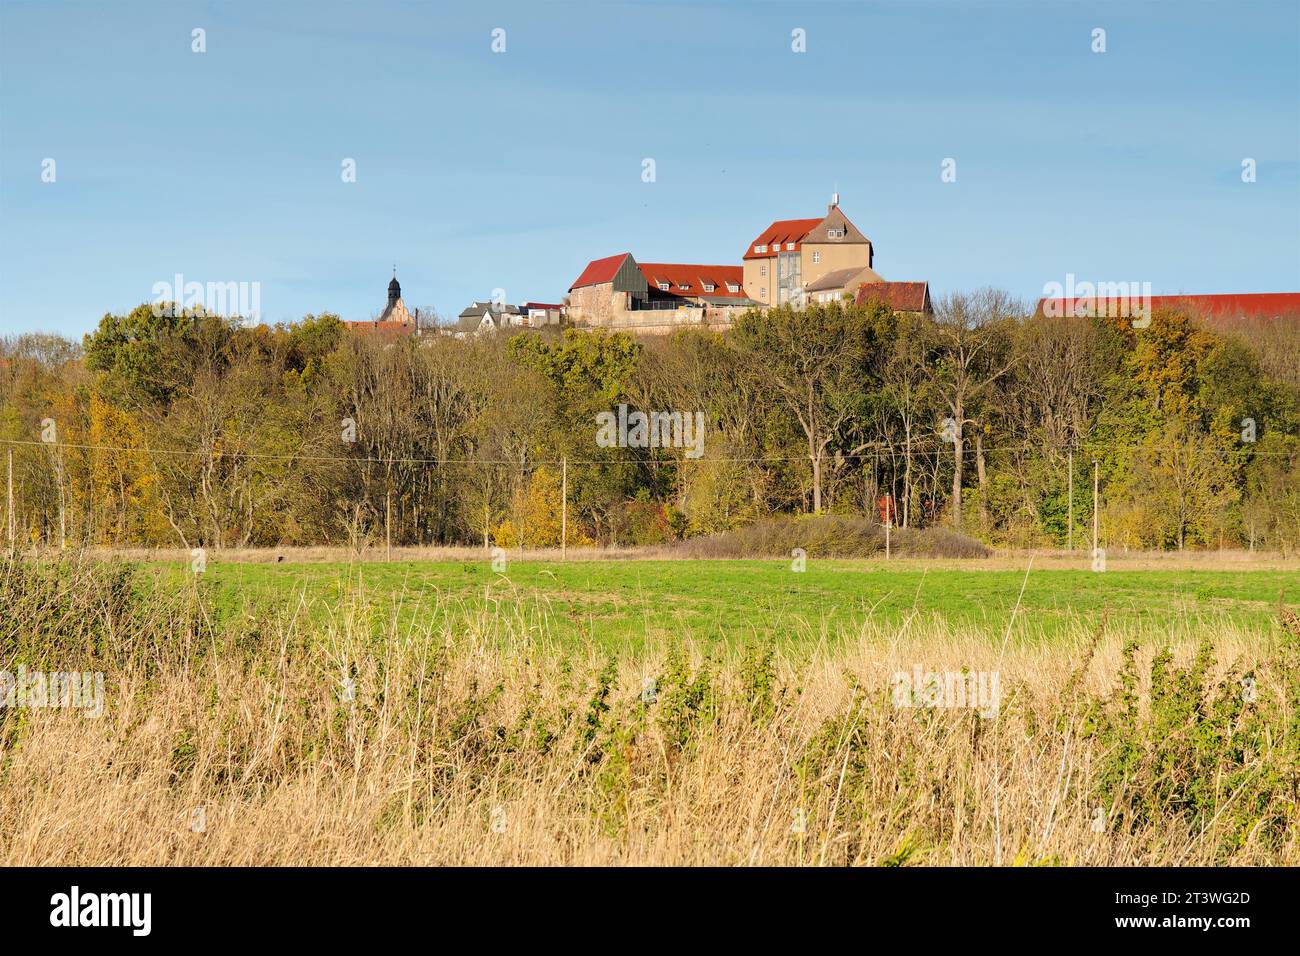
830 536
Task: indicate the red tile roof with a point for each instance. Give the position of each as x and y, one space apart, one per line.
543 305
781 232
678 275
1223 306
382 328
600 270
899 296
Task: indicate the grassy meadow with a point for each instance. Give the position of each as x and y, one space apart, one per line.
651 712
630 604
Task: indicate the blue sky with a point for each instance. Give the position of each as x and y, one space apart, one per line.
479 170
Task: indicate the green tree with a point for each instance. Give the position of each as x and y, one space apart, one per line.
816 363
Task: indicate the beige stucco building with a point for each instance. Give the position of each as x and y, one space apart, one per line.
792 254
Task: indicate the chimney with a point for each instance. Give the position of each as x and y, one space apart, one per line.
835 201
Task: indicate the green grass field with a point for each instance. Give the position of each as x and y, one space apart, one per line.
627 603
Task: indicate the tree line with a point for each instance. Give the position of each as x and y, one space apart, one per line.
168 428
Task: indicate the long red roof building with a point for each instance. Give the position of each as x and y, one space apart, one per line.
1231 305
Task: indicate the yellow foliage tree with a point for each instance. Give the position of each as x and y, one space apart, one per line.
537 519
717 498
122 480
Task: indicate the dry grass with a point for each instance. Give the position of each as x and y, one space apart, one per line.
1000 559
488 745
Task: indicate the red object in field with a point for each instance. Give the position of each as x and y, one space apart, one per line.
885 505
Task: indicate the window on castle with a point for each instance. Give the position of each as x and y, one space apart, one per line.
817 257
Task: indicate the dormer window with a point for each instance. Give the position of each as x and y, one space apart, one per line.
789 247
709 287
682 287
664 286
732 288
762 248
837 233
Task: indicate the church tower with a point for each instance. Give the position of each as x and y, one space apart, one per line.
395 312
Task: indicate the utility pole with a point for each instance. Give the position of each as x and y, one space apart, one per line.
12 543
1070 494
876 496
564 508
63 504
889 521
1094 507
907 486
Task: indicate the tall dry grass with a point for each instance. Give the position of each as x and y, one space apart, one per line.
485 743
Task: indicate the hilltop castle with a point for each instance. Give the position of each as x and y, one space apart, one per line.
792 262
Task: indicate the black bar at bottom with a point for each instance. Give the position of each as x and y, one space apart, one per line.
342 906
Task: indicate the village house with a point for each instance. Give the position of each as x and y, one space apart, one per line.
487 317
538 314
481 317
